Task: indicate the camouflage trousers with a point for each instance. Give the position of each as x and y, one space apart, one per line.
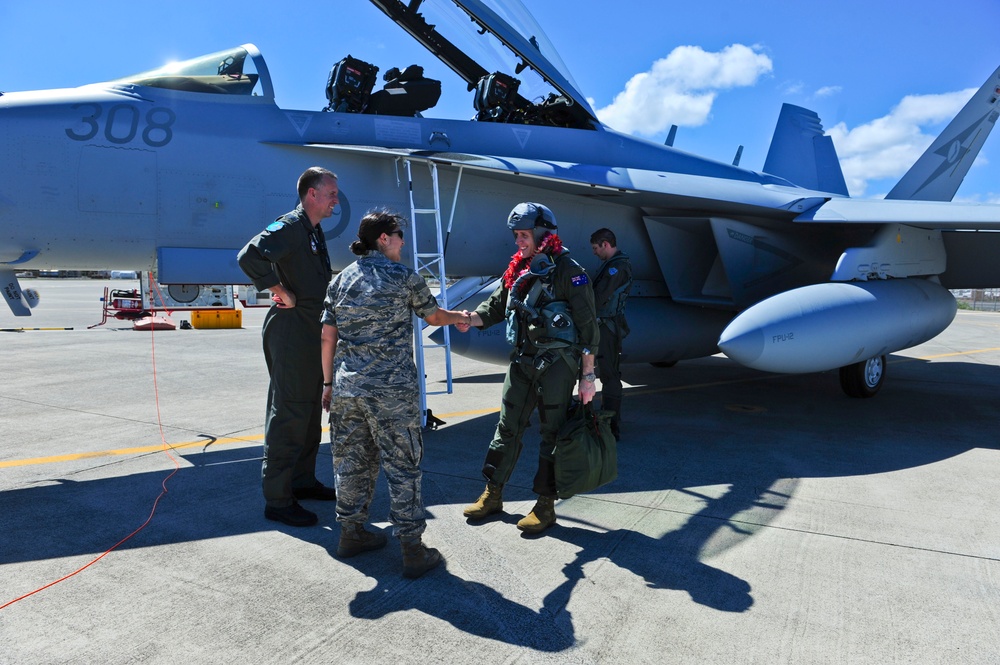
363 432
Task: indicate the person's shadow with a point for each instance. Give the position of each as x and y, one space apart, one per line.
469 606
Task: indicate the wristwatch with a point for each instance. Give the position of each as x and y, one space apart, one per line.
591 376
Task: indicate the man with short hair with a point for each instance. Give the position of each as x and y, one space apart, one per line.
290 259
611 289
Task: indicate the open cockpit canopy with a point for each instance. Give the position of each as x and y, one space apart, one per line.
500 51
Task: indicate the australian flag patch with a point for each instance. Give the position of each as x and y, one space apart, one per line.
580 280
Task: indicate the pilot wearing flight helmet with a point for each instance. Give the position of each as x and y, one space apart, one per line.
547 301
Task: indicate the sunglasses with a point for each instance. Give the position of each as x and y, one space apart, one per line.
397 232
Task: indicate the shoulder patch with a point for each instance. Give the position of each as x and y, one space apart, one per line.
612 271
580 280
276 225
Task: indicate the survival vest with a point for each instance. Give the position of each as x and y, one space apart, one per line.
549 324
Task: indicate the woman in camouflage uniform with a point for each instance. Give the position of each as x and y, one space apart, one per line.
370 389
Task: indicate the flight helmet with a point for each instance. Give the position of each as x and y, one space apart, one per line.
535 216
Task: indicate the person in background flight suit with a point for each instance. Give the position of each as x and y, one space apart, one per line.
290 259
548 303
611 289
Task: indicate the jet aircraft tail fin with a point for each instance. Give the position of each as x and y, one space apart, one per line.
19 300
938 173
801 153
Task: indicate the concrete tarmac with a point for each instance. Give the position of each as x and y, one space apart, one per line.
756 518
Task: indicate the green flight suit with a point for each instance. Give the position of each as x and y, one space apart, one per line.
611 289
527 386
292 252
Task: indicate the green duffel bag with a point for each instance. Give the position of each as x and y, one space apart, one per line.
586 451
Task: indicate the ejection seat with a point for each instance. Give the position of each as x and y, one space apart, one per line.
349 85
406 93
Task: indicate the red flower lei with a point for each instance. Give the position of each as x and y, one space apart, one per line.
551 245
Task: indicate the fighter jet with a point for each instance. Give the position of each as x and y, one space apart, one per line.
172 170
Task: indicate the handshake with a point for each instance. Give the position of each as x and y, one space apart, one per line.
466 322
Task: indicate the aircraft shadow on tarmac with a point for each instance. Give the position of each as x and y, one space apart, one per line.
749 446
756 444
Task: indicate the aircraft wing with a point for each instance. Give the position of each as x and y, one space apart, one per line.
922 214
646 188
629 186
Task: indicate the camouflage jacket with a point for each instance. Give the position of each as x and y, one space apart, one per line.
371 303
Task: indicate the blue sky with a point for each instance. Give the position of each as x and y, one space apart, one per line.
884 76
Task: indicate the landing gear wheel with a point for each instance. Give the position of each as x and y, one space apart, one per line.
661 364
863 379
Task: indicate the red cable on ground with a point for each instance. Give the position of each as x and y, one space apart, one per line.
166 449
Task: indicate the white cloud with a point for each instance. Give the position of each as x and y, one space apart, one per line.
888 146
828 91
681 88
790 88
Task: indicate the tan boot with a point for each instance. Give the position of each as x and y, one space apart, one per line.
418 558
354 540
541 517
490 502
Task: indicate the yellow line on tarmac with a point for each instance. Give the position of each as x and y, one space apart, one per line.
474 412
125 451
958 353
174 446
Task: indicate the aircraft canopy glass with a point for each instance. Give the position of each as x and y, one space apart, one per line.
236 71
480 38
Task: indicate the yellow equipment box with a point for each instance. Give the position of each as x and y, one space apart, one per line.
217 318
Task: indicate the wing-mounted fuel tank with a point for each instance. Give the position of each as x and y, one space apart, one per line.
826 326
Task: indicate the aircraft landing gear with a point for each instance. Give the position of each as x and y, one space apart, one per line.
863 379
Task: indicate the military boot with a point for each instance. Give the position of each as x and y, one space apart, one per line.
541 517
355 539
418 558
490 502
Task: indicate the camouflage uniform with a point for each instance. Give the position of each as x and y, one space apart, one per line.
549 388
611 289
375 411
291 251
